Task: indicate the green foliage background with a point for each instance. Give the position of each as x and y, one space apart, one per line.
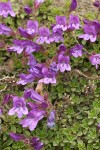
75 97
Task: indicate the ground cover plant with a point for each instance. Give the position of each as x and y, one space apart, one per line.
50 76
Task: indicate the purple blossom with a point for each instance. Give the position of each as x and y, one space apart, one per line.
90 33
73 5
62 47
35 142
96 3
5 30
30 93
37 3
74 22
44 36
17 137
21 45
57 36
51 119
32 119
25 78
95 60
99 125
76 51
49 77
19 107
6 9
32 29
28 9
63 62
61 23
6 99
53 68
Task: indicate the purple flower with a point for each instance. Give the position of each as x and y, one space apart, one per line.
96 3
32 119
24 79
44 36
37 3
61 23
6 99
28 9
32 29
95 60
74 22
99 125
35 142
63 62
5 30
76 51
90 33
62 47
17 137
49 77
73 5
19 107
6 9
53 68
57 36
21 45
51 119
30 93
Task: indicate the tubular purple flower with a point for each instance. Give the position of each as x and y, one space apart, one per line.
74 22
73 5
95 60
96 3
32 119
5 30
57 36
6 9
28 9
7 98
0 111
35 142
19 107
62 47
44 36
90 33
61 23
51 119
31 31
76 51
37 3
63 62
21 45
17 137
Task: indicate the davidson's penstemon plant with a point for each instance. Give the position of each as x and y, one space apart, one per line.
35 105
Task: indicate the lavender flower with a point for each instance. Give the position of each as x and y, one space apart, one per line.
74 22
32 119
28 46
44 36
6 9
5 30
35 142
24 79
32 29
19 107
76 51
28 9
51 119
73 5
6 99
95 60
62 48
37 3
17 137
61 23
49 77
63 62
96 3
90 33
57 36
